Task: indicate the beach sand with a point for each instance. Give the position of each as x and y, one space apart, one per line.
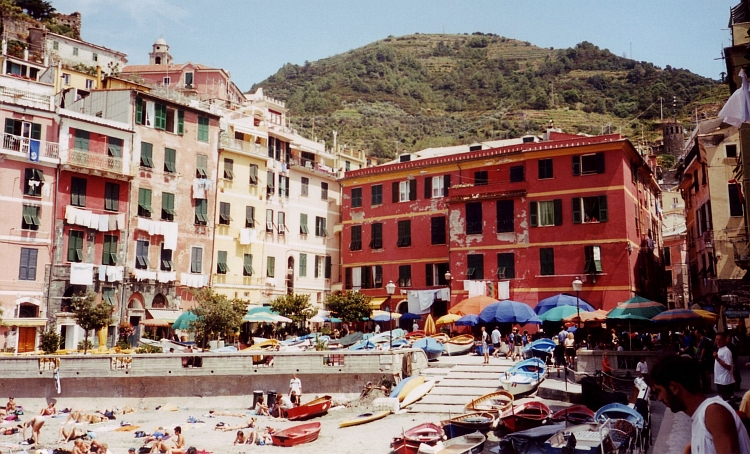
374 437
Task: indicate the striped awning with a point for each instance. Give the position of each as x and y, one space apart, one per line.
160 317
24 321
375 303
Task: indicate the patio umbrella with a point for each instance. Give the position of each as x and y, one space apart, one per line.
429 326
410 316
260 310
709 316
282 319
685 316
317 319
381 318
184 320
637 306
387 314
561 300
557 314
508 311
260 317
447 319
333 320
468 320
598 316
473 305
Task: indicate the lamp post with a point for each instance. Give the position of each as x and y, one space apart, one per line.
390 288
577 285
449 278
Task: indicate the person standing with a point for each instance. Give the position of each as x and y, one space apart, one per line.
705 359
496 342
723 376
485 347
377 328
517 344
562 335
415 326
716 427
295 385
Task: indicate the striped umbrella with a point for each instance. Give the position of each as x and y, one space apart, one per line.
709 316
561 300
678 315
558 313
636 308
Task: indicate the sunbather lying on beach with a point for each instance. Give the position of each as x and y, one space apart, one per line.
158 435
248 425
82 417
213 413
98 447
74 433
174 445
80 447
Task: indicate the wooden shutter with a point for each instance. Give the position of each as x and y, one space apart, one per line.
446 184
576 210
600 163
139 111
534 213
576 165
327 265
180 122
10 125
36 131
394 192
413 189
429 281
603 210
160 116
427 187
558 211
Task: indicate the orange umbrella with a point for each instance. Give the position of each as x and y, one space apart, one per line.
598 316
472 306
429 326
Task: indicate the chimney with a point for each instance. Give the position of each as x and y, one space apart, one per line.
98 77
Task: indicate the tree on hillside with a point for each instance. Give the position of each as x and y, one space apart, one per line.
90 315
350 306
217 315
297 307
38 9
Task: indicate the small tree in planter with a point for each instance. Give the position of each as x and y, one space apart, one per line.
91 316
50 341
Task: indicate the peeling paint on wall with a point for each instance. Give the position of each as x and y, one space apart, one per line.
457 227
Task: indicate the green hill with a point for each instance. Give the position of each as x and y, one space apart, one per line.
418 91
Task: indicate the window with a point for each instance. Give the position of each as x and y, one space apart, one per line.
30 219
481 178
356 243
141 255
20 128
228 169
731 150
474 218
376 194
253 174
33 182
376 236
588 164
75 51
404 233
668 278
78 192
269 220
404 191
55 45
221 262
437 228
147 158
546 213
249 217
170 160
167 206
303 265
590 209
247 267
475 266
165 262
108 295
284 186
545 168
547 261
319 262
75 245
201 166
94 56
111 196
303 224
270 188
323 191
89 84
202 128
224 213
356 197
667 256
517 174
593 256
139 111
188 80
166 81
404 276
201 211
281 223
320 227
109 250
506 265
196 260
27 266
305 187
114 147
505 216
270 266
735 199
144 203
66 79
433 187
435 274
81 140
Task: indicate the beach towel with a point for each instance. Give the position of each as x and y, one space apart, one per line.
168 407
127 428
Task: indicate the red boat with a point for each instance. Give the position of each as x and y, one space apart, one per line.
311 409
297 435
576 414
418 334
408 443
525 416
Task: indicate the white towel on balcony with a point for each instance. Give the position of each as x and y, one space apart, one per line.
193 280
144 224
245 236
166 276
82 274
112 223
93 221
121 221
143 275
199 189
114 273
103 223
503 290
71 213
102 273
169 230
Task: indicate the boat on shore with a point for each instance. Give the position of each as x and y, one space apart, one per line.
364 418
524 377
311 409
431 347
588 439
495 402
408 442
540 348
417 393
440 337
467 423
525 416
459 345
466 444
414 335
575 414
297 435
409 386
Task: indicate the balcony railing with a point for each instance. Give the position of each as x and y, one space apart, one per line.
25 98
22 145
312 166
243 146
97 161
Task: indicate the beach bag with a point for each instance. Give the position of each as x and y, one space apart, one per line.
19 411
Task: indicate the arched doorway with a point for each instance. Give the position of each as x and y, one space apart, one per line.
67 299
290 275
159 302
136 312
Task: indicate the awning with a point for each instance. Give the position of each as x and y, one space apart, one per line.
375 303
160 317
24 322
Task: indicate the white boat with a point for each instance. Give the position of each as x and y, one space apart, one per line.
459 345
524 377
417 393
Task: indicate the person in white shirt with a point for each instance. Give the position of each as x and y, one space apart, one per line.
716 427
642 369
415 326
377 328
496 342
723 376
295 385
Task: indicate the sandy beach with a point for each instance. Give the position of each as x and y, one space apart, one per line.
374 437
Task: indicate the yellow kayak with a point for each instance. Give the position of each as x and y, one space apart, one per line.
364 418
409 387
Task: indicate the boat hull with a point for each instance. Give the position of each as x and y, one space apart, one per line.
496 402
519 388
297 435
409 441
409 387
466 444
364 418
576 414
311 409
417 393
525 416
459 345
469 423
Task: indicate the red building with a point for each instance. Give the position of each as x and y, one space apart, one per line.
528 217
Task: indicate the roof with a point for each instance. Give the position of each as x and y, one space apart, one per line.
94 119
739 13
161 41
88 44
162 68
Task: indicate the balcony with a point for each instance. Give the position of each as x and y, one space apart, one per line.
96 162
492 190
242 146
741 253
312 166
20 146
26 93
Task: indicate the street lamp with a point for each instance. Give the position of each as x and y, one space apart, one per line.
449 278
577 285
390 288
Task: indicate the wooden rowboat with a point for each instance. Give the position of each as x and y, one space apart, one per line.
588 438
465 444
469 423
418 334
440 337
296 435
459 345
575 414
408 442
364 418
496 402
417 393
311 409
409 386
525 416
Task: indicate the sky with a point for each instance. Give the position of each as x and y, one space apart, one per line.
253 39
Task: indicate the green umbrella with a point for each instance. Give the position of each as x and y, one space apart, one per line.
558 313
184 320
637 306
259 317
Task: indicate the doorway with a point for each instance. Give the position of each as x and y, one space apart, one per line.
26 339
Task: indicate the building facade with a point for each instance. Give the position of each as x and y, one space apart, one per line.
675 256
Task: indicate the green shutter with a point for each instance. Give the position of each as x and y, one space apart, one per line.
303 224
248 265
144 199
170 157
303 265
180 122
533 213
203 129
138 111
603 211
147 154
253 174
160 114
167 203
588 253
10 125
576 210
36 131
558 211
221 263
270 267
600 163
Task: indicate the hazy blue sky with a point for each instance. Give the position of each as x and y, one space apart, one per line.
253 39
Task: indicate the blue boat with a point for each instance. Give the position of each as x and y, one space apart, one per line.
397 389
524 377
619 411
432 348
540 348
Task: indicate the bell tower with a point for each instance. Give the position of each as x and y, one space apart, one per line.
159 54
